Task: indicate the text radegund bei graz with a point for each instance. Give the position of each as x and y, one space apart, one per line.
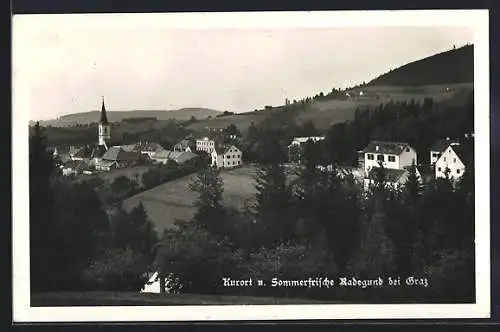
320 282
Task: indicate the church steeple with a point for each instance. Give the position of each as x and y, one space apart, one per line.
104 127
104 118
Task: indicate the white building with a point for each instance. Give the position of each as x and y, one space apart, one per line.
455 160
392 155
438 148
227 157
205 144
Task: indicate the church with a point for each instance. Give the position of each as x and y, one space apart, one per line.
93 154
100 157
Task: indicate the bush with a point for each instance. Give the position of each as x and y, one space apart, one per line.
117 270
198 260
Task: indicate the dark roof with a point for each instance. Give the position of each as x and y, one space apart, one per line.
220 150
223 149
183 144
104 117
465 152
71 164
85 152
118 154
441 145
98 151
148 147
395 148
391 175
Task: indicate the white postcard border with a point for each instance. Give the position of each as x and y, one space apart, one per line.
476 19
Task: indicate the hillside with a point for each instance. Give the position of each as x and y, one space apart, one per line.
447 76
454 66
325 112
116 116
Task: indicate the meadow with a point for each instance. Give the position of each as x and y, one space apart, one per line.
174 200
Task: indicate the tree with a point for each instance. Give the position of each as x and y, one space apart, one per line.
146 238
210 214
42 213
116 270
122 185
274 209
375 255
197 259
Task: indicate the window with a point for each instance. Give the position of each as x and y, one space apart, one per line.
370 156
458 171
380 157
439 169
391 159
407 149
454 160
444 158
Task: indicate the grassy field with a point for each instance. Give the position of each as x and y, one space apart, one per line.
96 298
174 200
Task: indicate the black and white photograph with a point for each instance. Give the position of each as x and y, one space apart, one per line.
251 166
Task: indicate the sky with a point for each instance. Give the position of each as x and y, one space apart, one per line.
68 67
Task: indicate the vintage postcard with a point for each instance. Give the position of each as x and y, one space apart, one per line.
251 166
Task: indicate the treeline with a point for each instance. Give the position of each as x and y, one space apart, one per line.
75 243
418 123
168 135
322 225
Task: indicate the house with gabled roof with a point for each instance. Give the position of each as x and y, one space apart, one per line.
228 156
455 160
392 155
184 146
438 148
117 157
148 148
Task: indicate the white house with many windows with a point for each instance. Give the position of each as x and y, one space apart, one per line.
205 144
392 155
226 157
454 160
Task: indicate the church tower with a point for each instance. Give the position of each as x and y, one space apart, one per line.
104 127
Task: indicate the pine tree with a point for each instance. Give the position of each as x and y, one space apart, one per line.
273 208
211 214
146 238
375 255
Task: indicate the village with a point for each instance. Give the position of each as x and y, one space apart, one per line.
447 157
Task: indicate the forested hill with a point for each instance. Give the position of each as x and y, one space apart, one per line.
454 66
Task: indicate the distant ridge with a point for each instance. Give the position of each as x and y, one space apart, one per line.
117 116
450 67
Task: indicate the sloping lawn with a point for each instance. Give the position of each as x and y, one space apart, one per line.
174 200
